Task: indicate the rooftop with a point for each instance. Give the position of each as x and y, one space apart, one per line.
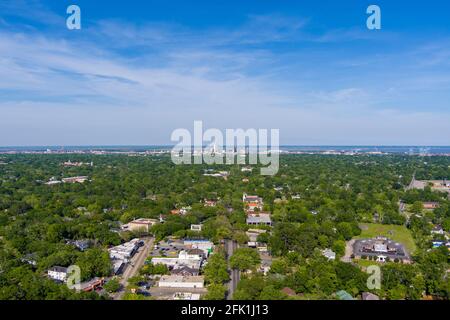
144 221
181 279
58 269
259 218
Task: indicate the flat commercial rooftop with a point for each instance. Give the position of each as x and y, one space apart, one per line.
380 246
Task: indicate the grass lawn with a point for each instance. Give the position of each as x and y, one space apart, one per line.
365 263
397 233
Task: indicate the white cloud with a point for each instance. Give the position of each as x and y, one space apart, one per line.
84 91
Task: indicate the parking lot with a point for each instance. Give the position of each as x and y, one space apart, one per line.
167 249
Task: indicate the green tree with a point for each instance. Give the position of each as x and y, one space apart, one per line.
244 258
112 285
215 270
216 291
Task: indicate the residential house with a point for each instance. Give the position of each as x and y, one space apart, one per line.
430 205
438 230
57 273
329 254
288 291
177 281
210 203
252 203
196 227
369 296
30 259
80 244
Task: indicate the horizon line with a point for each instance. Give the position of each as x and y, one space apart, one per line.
171 145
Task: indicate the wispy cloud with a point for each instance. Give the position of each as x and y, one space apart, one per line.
122 82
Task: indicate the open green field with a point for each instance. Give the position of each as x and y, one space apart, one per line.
366 263
397 233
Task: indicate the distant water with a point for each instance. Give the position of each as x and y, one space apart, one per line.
384 149
291 148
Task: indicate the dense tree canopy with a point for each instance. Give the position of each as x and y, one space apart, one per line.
316 201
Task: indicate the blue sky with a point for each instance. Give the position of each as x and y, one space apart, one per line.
137 70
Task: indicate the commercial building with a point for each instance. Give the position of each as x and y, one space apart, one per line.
183 260
381 249
256 219
202 244
125 250
118 265
92 284
142 224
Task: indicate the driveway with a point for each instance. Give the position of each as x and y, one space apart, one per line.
135 264
348 251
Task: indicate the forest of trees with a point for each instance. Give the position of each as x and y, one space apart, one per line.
333 195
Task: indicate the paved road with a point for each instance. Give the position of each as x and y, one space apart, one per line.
230 246
134 265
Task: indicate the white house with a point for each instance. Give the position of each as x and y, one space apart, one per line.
196 227
329 254
57 273
437 230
